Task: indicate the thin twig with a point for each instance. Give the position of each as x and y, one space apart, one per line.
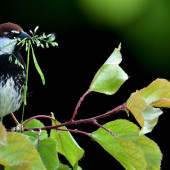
89 120
75 131
37 117
97 124
15 119
79 103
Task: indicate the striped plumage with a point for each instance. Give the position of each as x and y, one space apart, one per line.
12 75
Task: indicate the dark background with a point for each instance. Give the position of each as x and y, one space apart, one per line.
87 32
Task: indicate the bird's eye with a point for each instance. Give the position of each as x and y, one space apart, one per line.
12 34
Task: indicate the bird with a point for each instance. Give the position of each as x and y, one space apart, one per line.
12 74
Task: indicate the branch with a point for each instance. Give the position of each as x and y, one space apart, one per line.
75 131
79 103
72 122
38 116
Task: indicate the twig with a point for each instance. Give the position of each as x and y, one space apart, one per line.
97 124
38 116
89 120
75 131
14 118
79 103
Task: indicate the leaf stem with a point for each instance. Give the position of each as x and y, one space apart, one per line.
39 135
26 81
101 126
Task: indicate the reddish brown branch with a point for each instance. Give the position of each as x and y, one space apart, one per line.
79 103
75 131
72 122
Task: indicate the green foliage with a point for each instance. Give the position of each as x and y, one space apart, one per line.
110 76
33 135
17 151
37 66
122 139
66 145
130 149
48 153
38 41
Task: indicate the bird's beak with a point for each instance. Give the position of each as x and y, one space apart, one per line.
24 35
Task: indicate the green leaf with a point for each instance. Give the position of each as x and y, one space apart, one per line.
130 149
141 103
54 44
48 153
51 37
33 124
42 45
36 28
31 32
37 42
63 167
67 146
19 152
37 66
46 44
77 167
10 58
150 149
110 76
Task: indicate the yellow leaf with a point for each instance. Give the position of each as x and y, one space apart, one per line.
157 93
136 105
141 103
2 133
161 103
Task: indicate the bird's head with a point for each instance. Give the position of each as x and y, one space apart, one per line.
8 34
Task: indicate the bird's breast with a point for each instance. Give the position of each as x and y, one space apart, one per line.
11 93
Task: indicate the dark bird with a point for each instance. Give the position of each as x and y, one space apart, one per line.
12 74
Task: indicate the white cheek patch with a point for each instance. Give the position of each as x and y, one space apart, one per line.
7 45
15 32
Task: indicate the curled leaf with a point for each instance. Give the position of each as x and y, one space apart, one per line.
141 103
110 76
37 66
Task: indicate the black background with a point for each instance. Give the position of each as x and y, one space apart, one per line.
69 69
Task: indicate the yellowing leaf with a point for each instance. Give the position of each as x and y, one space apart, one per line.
130 149
161 103
157 93
18 152
24 164
142 103
2 133
136 105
